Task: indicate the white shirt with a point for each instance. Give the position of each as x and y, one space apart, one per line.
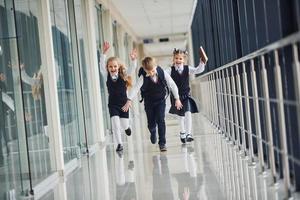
192 70
103 69
171 84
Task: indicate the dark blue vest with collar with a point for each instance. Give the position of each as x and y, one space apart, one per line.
117 95
153 92
181 80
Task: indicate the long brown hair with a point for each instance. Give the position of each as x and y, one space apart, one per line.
122 71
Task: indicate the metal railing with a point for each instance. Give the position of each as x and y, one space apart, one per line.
254 104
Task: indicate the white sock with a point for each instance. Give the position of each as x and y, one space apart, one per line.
124 123
188 122
115 123
181 122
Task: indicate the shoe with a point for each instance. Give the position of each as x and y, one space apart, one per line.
162 148
128 131
131 165
153 138
120 154
119 147
189 138
183 138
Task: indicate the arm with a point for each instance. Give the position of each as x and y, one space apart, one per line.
8 101
27 79
103 70
133 92
133 63
197 70
168 70
171 84
102 64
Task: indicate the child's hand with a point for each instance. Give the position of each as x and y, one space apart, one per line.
126 107
106 46
133 54
178 104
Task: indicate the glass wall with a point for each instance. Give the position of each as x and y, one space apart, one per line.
14 166
33 70
100 39
67 91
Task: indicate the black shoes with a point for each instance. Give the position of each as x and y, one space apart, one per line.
186 138
128 131
183 138
119 148
153 138
189 138
162 148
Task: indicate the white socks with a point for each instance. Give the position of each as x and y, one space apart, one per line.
119 124
186 123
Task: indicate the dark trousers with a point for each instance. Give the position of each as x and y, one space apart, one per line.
156 117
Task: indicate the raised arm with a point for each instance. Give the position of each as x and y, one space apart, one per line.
28 79
102 63
197 70
133 62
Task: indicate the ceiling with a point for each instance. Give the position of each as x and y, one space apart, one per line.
158 18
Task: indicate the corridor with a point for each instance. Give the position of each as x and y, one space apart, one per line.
69 69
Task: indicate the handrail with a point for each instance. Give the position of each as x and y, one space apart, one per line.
293 38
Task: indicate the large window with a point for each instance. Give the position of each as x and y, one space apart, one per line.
67 91
100 39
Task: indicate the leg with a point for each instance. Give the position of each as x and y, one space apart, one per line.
125 125
188 126
160 120
182 129
115 123
150 113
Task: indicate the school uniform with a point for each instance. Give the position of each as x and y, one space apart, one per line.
117 98
180 75
182 82
154 91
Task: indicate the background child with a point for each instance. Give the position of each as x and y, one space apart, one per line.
153 82
180 74
117 82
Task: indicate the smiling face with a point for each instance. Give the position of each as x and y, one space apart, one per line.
113 67
178 59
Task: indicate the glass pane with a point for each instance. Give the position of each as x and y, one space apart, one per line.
14 167
33 68
82 50
100 40
65 74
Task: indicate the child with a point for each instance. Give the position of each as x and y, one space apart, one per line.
117 84
180 74
153 82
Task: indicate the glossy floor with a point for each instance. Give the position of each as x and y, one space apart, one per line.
143 172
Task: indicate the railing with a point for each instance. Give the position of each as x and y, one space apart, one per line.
254 104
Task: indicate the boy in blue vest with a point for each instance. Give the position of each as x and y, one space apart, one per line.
180 74
153 82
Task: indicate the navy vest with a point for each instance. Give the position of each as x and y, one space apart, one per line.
117 95
181 80
153 92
